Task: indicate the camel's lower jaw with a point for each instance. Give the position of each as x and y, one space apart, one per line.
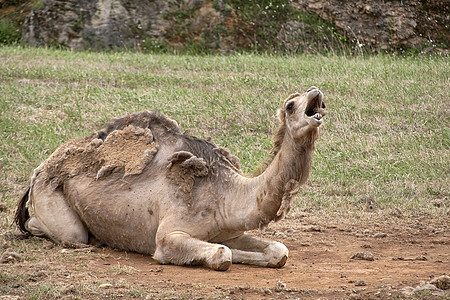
315 120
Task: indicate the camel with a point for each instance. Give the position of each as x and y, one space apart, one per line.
143 185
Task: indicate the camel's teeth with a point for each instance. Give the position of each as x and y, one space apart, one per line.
318 116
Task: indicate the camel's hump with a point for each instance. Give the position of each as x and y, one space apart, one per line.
156 122
165 129
128 144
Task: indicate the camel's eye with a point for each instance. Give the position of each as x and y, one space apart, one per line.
290 107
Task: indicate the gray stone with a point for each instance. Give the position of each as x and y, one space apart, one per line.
386 25
95 24
136 24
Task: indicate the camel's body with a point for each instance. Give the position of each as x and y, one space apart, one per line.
142 185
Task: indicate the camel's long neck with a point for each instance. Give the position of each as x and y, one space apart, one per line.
267 197
282 179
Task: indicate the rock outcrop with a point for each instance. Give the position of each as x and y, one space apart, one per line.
97 24
137 24
386 25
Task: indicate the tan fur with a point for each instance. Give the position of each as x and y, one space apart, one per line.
182 169
279 134
142 185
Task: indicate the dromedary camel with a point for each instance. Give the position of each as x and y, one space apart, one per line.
144 186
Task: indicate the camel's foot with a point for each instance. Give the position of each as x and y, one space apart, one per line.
221 260
277 255
250 250
278 264
180 248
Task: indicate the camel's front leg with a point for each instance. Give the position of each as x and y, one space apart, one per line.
250 250
180 248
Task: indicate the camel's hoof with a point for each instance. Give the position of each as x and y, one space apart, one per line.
221 260
223 266
278 254
280 263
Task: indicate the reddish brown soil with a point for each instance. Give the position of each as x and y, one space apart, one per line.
319 266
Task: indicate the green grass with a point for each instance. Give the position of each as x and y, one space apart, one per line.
9 32
385 141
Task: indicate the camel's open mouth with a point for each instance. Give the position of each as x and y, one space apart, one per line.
315 107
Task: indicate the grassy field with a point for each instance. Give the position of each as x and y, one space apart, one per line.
385 143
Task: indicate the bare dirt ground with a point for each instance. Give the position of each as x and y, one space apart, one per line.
390 260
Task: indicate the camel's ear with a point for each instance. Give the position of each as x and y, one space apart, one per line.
290 106
289 103
281 115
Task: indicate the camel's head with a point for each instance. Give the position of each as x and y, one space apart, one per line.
303 113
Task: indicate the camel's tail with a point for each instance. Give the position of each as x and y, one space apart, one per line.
22 214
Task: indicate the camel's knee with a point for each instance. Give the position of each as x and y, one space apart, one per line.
34 227
72 233
161 256
77 235
169 250
53 217
277 254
